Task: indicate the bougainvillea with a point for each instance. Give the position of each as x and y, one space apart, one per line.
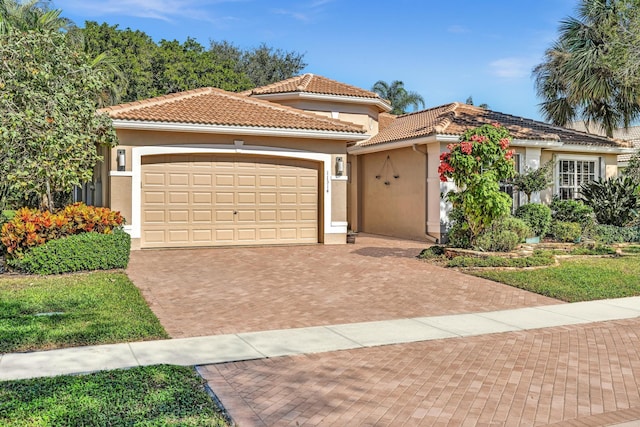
476 165
31 227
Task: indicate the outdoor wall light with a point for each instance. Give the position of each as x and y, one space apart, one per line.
339 166
121 159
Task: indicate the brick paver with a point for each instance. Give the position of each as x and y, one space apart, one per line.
580 375
200 292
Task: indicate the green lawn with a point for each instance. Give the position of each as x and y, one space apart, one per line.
149 396
38 313
582 279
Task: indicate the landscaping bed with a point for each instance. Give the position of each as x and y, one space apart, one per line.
41 313
145 396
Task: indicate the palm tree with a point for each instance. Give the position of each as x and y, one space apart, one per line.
577 79
398 96
31 15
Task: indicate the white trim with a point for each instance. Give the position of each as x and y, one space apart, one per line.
120 173
599 169
136 182
378 102
238 130
594 149
339 178
339 223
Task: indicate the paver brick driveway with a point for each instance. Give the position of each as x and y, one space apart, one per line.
198 292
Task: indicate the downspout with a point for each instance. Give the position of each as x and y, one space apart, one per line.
428 236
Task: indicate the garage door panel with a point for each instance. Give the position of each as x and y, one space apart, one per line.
178 198
205 200
198 198
202 216
153 197
246 198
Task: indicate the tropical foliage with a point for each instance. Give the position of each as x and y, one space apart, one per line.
615 201
476 165
48 128
580 77
28 15
31 227
534 180
400 98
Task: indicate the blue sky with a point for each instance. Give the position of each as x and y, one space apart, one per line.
446 51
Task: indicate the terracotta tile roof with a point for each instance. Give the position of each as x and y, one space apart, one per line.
455 118
631 134
211 106
312 83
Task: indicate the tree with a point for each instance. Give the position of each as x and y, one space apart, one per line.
534 180
477 164
633 169
579 78
263 64
49 130
469 101
31 15
398 96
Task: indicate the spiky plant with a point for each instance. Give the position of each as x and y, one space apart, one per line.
615 201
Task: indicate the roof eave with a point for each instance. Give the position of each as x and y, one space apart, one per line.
392 145
383 106
237 130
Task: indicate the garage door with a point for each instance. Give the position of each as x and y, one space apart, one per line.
201 200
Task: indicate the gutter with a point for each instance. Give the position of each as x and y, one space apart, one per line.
428 236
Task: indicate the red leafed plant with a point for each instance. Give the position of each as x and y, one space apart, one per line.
31 227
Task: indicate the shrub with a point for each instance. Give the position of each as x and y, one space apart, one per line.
539 258
608 234
615 200
86 251
476 165
435 251
537 216
503 235
571 211
565 231
597 250
497 241
534 180
30 228
459 234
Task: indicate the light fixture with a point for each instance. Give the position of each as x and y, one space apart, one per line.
121 159
339 166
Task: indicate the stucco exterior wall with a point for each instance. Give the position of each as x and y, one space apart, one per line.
390 205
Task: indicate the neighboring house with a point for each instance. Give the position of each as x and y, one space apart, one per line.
300 161
631 134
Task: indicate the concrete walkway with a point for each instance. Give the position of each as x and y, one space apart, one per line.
287 342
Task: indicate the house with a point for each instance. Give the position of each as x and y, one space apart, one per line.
300 161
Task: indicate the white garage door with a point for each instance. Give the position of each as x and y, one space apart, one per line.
204 200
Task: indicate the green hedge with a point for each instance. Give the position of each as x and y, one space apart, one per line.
80 252
609 234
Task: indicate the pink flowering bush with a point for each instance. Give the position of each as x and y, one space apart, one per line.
476 165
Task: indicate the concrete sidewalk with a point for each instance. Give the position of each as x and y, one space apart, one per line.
287 342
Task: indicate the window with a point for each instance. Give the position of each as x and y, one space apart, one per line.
572 174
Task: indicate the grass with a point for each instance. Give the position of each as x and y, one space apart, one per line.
149 396
574 280
39 313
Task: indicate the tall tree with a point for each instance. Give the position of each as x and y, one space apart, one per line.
400 98
31 15
263 64
48 127
469 101
578 78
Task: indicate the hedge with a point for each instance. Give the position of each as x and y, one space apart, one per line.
609 234
80 252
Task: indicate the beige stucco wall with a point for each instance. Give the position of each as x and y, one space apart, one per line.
118 190
399 208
